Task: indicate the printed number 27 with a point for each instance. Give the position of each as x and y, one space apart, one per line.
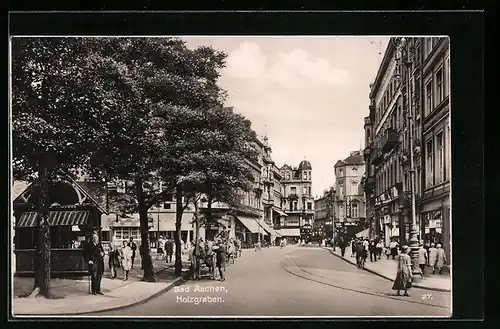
426 296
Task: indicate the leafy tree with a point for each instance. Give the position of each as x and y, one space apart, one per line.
55 110
206 155
143 79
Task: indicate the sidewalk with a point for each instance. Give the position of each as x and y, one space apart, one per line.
71 296
386 268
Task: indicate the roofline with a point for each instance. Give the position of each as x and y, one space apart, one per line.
104 211
389 50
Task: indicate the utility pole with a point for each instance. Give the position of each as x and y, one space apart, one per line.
414 243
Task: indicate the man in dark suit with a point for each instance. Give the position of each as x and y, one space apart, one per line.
93 254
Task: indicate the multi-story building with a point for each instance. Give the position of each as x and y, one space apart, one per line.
349 196
297 201
436 141
418 78
382 152
324 213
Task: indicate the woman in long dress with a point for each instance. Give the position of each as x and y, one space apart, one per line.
126 259
403 276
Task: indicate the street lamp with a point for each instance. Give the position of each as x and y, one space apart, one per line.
403 48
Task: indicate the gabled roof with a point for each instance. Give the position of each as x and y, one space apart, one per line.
96 192
354 159
339 163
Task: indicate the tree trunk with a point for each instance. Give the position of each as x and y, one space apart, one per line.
196 236
178 225
147 261
42 260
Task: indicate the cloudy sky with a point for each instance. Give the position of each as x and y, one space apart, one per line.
308 94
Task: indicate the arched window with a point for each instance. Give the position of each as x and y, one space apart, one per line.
310 176
305 175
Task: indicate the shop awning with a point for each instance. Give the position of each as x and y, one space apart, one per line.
250 223
363 234
290 232
56 218
269 229
281 213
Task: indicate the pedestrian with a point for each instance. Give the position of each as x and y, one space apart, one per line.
366 244
169 250
380 248
353 247
113 260
360 254
161 245
373 251
342 246
133 247
422 259
93 254
220 257
403 275
393 246
440 258
126 259
433 257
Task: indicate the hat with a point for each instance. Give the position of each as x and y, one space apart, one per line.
404 247
439 245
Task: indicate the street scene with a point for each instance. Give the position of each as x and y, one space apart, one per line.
230 176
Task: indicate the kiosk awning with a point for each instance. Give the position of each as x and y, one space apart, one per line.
56 218
250 223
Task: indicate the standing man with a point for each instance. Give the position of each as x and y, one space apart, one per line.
422 259
342 245
169 250
220 258
132 246
93 254
373 251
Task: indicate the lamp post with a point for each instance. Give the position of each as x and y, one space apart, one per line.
403 48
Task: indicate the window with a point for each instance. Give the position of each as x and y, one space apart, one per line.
295 204
428 47
428 94
167 206
354 210
417 54
341 211
309 190
341 172
309 206
304 190
440 158
429 164
354 171
439 86
305 175
293 190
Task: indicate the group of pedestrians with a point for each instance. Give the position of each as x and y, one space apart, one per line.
431 255
165 250
123 258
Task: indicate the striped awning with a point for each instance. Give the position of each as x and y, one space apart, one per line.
56 218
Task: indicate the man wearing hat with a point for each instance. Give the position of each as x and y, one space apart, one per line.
93 254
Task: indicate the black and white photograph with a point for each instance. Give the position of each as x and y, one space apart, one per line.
230 176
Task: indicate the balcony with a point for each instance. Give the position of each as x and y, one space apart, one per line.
366 152
370 184
390 139
267 159
377 156
267 202
367 121
267 179
293 196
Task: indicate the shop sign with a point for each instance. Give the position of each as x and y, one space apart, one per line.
432 223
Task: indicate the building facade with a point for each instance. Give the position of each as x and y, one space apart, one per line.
383 183
297 201
436 142
410 99
349 206
324 213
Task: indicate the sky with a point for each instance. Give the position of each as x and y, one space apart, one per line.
309 95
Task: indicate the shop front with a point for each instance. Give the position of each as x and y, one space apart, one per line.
73 213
